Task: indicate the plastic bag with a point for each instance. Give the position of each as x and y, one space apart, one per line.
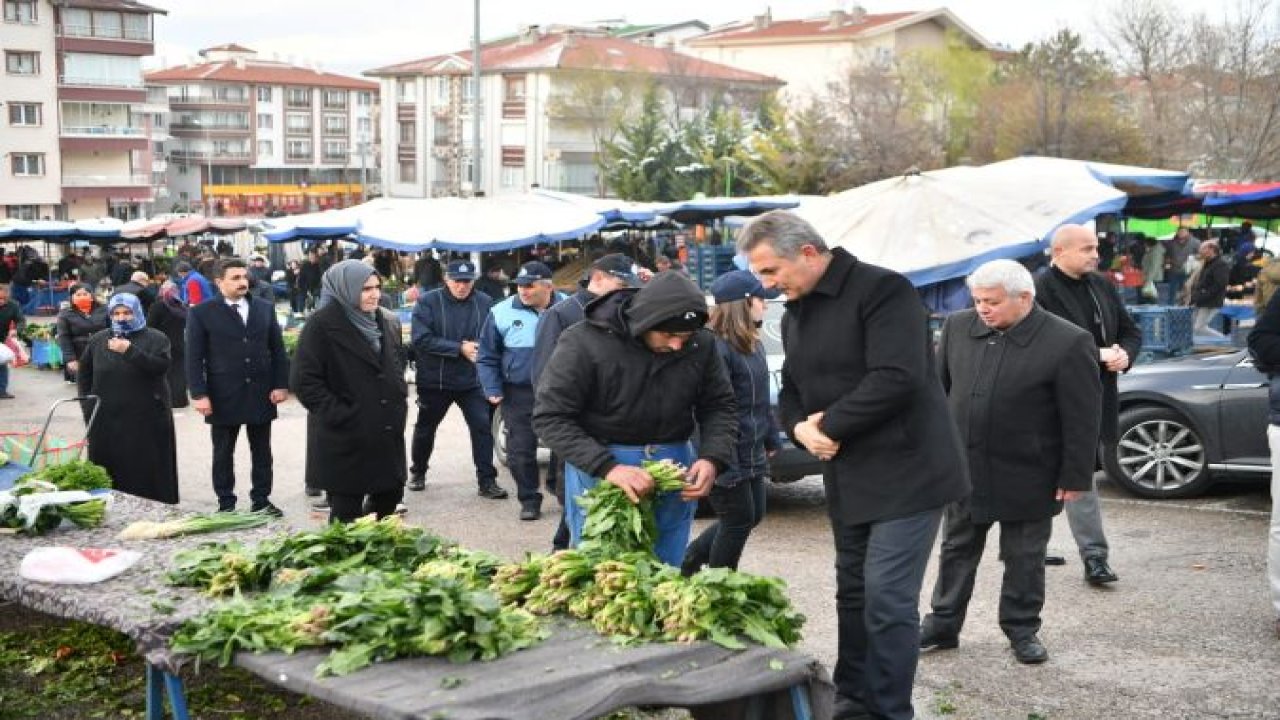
76 566
21 356
6 355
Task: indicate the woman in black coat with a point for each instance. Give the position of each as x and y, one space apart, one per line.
347 374
76 324
133 436
168 314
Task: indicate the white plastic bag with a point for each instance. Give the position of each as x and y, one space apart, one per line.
6 355
75 566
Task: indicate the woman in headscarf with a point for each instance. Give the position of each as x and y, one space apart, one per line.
168 314
133 436
347 374
83 317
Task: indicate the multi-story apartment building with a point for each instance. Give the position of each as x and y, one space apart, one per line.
255 136
546 99
77 138
810 53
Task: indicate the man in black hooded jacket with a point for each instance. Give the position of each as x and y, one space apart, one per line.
626 385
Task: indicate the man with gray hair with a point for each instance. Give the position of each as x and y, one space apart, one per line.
1022 386
860 391
1072 290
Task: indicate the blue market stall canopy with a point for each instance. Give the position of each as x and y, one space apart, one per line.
112 230
941 224
690 212
613 211
1258 202
484 224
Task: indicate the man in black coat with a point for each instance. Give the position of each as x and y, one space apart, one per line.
859 390
238 372
1072 290
1210 289
1022 385
446 334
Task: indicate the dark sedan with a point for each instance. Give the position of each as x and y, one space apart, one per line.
1187 422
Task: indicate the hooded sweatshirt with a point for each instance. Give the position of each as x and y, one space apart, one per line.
603 385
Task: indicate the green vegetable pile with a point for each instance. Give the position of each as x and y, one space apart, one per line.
75 475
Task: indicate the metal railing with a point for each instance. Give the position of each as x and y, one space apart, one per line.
202 99
180 125
100 82
120 33
205 155
105 180
104 130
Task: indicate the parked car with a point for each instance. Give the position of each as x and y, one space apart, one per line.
1189 421
789 464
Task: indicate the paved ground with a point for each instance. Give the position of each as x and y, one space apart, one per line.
1185 634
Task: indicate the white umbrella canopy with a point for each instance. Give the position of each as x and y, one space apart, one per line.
941 224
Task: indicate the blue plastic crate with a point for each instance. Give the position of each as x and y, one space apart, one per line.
708 262
1165 329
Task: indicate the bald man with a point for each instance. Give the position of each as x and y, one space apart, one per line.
1074 291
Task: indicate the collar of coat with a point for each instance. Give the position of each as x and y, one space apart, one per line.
832 281
1021 334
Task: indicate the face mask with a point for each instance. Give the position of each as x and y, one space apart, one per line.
83 304
118 328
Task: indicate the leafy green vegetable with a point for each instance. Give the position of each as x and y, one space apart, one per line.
74 475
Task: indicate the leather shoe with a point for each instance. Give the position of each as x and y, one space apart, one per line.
417 482
1097 572
314 491
1054 560
1030 651
935 639
492 491
530 512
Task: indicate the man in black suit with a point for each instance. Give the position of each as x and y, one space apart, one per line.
859 391
238 372
1072 290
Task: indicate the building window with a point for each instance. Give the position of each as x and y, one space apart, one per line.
335 124
364 99
364 126
265 148
298 123
513 177
137 26
297 150
408 132
443 85
28 164
264 121
101 70
298 97
20 11
406 90
18 62
264 94
335 98
24 114
408 171
335 151
22 212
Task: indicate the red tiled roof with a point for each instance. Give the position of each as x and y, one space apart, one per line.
580 52
811 29
258 72
121 5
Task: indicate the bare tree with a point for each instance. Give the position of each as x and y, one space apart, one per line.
1148 42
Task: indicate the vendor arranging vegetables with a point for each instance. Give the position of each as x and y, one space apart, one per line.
627 385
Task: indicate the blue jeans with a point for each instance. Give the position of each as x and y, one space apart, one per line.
673 514
879 570
4 379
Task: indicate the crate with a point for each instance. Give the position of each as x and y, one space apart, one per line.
708 262
1165 329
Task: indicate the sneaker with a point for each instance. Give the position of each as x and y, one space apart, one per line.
418 483
314 492
7 396
320 503
402 509
267 508
530 512
493 491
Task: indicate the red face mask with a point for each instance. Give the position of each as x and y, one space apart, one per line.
83 304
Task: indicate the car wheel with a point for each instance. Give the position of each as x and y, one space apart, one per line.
1159 455
499 437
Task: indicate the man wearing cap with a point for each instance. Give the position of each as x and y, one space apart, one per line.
446 330
628 384
492 283
506 374
611 272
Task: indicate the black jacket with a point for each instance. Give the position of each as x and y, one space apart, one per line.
495 289
440 324
1117 326
603 385
1264 345
859 349
560 317
356 403
1027 403
757 428
1211 284
236 365
75 328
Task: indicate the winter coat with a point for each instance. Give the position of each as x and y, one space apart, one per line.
859 350
133 436
1117 328
561 316
1210 290
1264 346
506 345
603 385
173 323
440 323
757 428
356 401
1027 403
195 288
236 365
75 328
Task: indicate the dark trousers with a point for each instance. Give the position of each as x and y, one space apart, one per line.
522 444
1022 550
879 570
432 407
346 508
739 509
224 473
297 300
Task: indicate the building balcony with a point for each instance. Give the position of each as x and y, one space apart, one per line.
299 157
159 166
330 105
179 125
103 131
336 158
100 33
513 109
183 100
93 181
130 83
200 157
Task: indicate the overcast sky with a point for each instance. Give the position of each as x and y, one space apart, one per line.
350 37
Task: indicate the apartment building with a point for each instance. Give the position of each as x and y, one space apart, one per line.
544 100
77 140
810 53
253 136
